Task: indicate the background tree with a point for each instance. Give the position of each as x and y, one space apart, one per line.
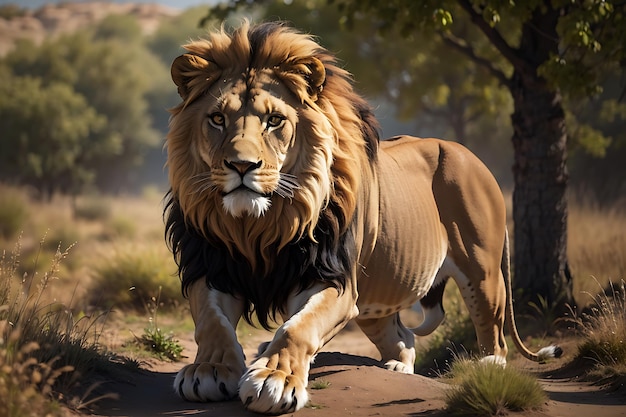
539 51
45 134
115 75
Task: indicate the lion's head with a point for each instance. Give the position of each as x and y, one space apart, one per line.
268 136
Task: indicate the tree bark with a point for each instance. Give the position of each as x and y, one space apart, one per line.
541 272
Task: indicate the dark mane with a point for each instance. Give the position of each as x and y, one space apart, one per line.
298 266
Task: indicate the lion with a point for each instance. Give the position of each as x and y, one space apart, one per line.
285 204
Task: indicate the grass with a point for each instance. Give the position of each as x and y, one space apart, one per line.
93 208
45 349
131 276
487 389
596 246
26 385
320 384
155 341
604 333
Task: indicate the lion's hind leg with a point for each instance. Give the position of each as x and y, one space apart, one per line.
394 341
220 362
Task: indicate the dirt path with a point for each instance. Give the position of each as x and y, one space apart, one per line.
356 386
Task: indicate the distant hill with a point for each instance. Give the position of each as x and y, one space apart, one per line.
57 18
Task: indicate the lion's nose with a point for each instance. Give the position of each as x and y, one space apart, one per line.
242 167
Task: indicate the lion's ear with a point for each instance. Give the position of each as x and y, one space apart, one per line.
188 71
309 69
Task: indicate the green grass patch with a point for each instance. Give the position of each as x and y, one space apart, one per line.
487 389
154 340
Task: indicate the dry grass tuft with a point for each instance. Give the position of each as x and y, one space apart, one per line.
45 347
488 389
604 332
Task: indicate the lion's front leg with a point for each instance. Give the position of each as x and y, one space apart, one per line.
220 362
275 383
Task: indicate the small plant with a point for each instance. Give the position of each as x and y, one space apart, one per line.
545 315
320 384
153 339
604 332
488 389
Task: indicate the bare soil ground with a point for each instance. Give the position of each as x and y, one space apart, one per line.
356 385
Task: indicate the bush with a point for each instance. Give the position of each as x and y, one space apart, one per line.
120 227
604 331
131 277
92 208
488 389
13 212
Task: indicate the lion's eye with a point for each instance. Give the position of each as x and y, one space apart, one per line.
217 119
275 120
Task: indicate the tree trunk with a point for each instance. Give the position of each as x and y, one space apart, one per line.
541 272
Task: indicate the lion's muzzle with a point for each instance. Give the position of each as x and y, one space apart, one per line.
242 193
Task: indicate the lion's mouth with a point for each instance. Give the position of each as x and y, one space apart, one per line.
242 187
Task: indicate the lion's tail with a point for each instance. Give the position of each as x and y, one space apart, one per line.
552 351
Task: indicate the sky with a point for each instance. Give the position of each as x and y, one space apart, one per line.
180 4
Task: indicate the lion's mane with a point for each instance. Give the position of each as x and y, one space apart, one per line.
296 243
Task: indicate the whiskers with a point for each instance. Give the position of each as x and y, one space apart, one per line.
287 184
201 183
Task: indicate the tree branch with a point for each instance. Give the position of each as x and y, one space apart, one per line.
509 53
461 46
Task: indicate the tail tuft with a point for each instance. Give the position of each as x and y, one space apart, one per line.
548 352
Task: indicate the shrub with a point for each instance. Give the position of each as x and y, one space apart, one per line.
13 212
604 331
131 277
488 389
92 208
120 227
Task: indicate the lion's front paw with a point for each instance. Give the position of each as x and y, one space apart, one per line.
272 391
207 382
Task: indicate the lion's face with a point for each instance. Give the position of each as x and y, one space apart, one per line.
247 141
248 149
